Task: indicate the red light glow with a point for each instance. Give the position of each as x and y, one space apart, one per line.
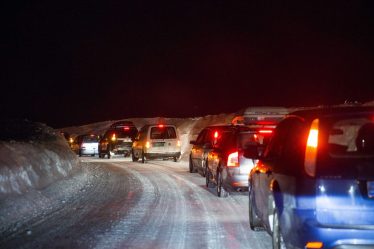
233 160
265 131
160 126
126 128
216 134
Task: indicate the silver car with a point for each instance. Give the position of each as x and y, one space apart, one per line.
86 144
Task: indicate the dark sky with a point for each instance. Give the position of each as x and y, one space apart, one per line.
75 62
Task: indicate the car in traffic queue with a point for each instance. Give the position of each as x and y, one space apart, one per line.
86 144
314 185
156 141
202 145
228 163
118 139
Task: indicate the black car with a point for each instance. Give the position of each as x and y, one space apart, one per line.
203 144
118 139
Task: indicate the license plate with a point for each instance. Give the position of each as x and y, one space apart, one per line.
158 144
370 188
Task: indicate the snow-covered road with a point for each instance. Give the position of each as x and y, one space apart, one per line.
120 204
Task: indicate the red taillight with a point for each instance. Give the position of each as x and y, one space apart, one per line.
265 131
216 134
311 149
160 126
233 159
126 128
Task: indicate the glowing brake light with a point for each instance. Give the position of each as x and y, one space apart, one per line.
233 160
160 126
265 131
113 137
216 134
311 149
126 128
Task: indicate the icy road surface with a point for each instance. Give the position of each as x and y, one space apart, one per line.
121 204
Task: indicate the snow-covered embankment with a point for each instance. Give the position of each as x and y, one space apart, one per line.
32 156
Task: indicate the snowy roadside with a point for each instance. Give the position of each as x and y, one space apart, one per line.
32 156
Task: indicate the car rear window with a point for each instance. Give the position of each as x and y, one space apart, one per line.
167 132
251 137
346 146
351 137
90 139
122 133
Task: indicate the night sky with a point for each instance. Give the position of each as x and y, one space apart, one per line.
76 62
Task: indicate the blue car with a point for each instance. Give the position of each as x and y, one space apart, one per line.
313 187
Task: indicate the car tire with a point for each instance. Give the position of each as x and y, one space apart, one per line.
204 168
133 157
190 165
108 154
277 238
143 157
254 221
221 191
208 182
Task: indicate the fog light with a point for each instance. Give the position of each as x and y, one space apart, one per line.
314 245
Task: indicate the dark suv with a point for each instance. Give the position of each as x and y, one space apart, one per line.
314 185
118 139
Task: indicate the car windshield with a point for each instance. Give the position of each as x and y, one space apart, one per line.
167 132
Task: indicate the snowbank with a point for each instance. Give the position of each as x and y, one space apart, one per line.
32 156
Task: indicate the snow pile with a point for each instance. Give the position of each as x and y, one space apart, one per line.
188 128
32 156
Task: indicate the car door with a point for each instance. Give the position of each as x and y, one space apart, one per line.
197 151
265 168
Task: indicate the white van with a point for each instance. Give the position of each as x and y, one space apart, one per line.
156 141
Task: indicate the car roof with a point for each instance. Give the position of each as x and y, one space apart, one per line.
122 123
324 111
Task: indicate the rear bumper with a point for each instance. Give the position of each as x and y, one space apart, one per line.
235 180
162 155
332 237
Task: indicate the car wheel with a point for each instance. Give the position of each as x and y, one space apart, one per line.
108 154
80 153
208 182
204 168
221 192
254 221
190 165
143 157
277 238
133 157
